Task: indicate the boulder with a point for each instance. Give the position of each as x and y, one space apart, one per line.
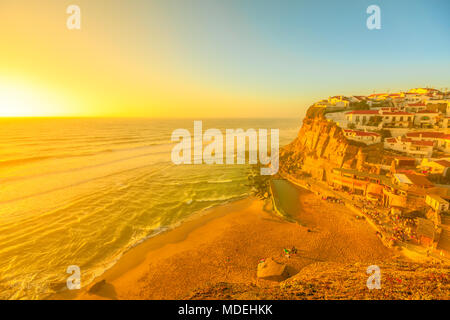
97 287
271 270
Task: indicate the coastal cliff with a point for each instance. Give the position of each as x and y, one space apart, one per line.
401 280
321 145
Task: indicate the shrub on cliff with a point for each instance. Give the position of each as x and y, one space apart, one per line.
259 183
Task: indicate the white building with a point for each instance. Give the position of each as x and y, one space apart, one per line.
339 101
444 122
356 99
382 117
426 119
444 143
435 166
415 107
363 116
413 148
436 202
425 135
366 137
397 119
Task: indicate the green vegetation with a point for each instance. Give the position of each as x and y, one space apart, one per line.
375 121
384 134
362 105
259 183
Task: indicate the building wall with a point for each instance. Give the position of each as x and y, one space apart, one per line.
437 206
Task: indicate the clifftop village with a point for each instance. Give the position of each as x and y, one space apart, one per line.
387 155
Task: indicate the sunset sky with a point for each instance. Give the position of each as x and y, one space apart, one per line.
208 58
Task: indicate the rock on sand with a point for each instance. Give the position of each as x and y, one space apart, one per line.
272 270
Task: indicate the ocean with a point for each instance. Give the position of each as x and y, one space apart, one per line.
82 191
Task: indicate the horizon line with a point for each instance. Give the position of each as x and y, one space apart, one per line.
137 117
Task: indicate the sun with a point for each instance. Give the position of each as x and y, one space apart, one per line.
17 102
19 99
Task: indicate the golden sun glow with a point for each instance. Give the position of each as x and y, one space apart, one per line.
20 99
17 102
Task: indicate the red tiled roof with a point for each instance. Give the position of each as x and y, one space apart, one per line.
425 134
366 134
398 113
414 142
444 163
363 112
445 137
419 180
404 171
423 143
419 104
398 139
426 111
405 162
377 94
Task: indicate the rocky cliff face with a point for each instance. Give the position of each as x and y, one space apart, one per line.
321 144
402 280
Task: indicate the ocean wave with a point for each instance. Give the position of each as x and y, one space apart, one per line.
219 181
68 186
203 181
32 176
223 198
18 161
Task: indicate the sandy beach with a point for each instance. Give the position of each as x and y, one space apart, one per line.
226 245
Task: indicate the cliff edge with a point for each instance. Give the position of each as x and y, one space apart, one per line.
321 145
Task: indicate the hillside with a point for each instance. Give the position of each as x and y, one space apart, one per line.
399 280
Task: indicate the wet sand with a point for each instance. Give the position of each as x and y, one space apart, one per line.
226 245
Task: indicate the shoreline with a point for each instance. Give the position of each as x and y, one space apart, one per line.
227 243
133 255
